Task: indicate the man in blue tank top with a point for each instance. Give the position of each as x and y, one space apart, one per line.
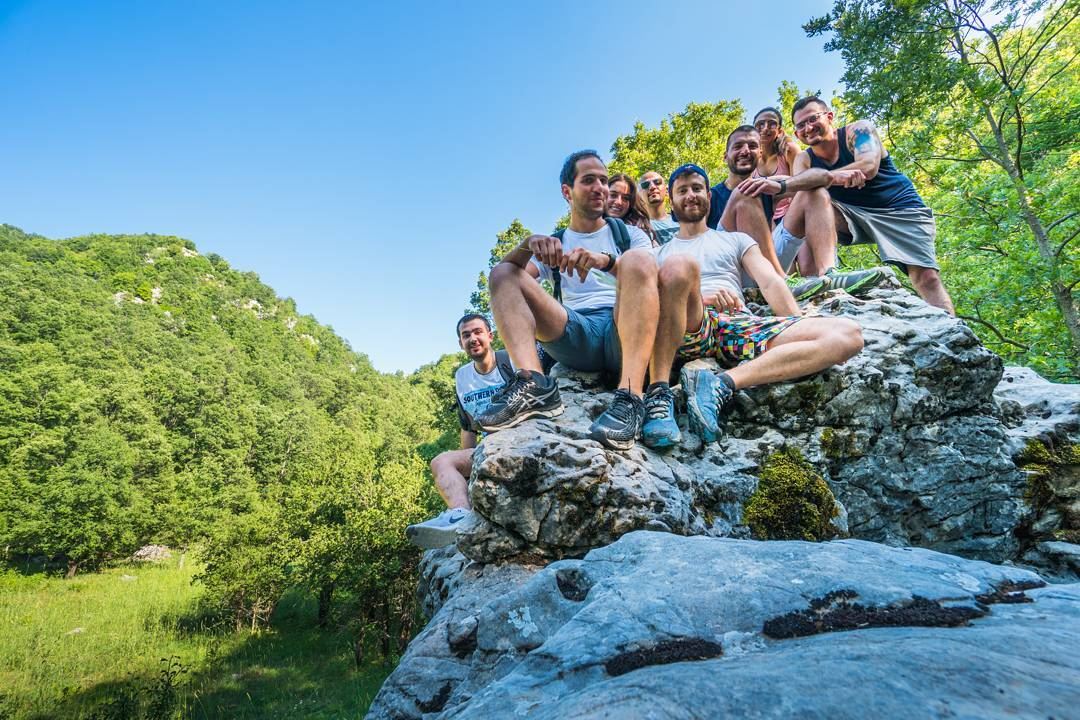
848 190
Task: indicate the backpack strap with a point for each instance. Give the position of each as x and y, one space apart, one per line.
556 276
502 362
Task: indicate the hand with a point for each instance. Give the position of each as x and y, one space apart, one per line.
752 187
580 260
723 300
546 249
853 178
782 143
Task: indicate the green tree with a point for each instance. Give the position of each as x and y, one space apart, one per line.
983 97
505 241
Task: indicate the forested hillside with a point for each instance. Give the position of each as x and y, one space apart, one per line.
153 394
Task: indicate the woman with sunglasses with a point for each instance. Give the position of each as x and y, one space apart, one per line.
625 203
778 153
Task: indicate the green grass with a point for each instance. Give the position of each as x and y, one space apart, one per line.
96 646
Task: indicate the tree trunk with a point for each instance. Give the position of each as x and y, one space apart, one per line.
325 596
73 567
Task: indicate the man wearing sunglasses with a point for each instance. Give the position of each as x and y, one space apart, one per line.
656 193
848 190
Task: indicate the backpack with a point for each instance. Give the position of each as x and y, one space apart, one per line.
506 368
622 243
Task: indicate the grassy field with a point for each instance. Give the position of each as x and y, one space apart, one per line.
126 643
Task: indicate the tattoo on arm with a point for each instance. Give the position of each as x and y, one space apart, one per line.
864 139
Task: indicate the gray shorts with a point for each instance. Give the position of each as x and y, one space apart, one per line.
904 236
589 342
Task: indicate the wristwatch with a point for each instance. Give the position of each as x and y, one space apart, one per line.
610 262
783 187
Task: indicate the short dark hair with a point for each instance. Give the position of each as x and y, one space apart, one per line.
740 129
800 104
769 109
469 317
569 167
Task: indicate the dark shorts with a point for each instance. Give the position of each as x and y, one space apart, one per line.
589 343
731 339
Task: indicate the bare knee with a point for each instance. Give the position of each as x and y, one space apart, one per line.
678 271
440 464
639 264
849 338
924 277
504 274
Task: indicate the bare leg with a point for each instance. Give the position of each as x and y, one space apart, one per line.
927 282
636 313
807 347
680 312
524 313
811 216
451 470
746 214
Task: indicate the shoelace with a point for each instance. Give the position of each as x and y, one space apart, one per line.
622 408
658 403
512 390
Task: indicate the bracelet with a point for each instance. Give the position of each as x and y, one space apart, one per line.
783 186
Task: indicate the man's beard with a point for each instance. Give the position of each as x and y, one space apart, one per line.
693 215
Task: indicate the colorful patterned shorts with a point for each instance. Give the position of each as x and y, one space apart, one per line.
732 339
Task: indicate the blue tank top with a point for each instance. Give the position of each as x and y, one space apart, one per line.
890 188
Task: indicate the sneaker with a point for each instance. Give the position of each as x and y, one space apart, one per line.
437 532
706 395
804 288
854 282
620 424
660 429
529 394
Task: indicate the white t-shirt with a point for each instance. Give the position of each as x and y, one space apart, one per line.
474 392
719 255
598 290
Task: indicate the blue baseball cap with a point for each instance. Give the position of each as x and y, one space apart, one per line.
685 170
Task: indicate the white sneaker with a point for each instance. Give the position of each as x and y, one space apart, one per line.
437 532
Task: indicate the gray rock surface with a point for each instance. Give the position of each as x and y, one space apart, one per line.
661 626
909 435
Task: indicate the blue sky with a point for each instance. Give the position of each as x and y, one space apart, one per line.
360 157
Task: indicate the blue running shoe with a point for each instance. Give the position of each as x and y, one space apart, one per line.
660 429
706 395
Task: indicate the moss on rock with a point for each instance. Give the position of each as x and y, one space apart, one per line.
1053 481
791 502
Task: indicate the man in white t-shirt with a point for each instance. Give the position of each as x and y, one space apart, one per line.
606 320
476 383
654 186
700 271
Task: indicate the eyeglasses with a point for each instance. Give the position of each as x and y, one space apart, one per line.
812 119
761 124
646 184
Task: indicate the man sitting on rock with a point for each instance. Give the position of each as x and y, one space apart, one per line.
700 271
590 264
848 189
476 382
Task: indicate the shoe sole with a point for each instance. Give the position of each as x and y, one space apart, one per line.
528 415
430 538
613 444
694 415
661 443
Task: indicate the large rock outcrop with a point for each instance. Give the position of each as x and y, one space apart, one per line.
908 435
560 602
668 627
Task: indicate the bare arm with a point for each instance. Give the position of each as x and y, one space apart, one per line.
866 147
772 285
468 440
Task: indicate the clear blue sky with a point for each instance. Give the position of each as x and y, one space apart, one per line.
360 157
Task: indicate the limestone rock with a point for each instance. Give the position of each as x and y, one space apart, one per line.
661 626
909 435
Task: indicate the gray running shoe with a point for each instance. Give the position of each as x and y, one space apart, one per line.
706 395
660 429
856 282
528 395
806 288
620 424
439 531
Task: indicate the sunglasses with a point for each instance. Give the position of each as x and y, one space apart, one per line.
646 184
812 119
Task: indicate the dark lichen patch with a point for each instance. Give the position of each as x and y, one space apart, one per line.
835 612
1010 592
436 703
1053 473
574 585
669 651
791 502
524 482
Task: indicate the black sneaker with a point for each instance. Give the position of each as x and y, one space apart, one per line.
528 395
620 424
856 282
